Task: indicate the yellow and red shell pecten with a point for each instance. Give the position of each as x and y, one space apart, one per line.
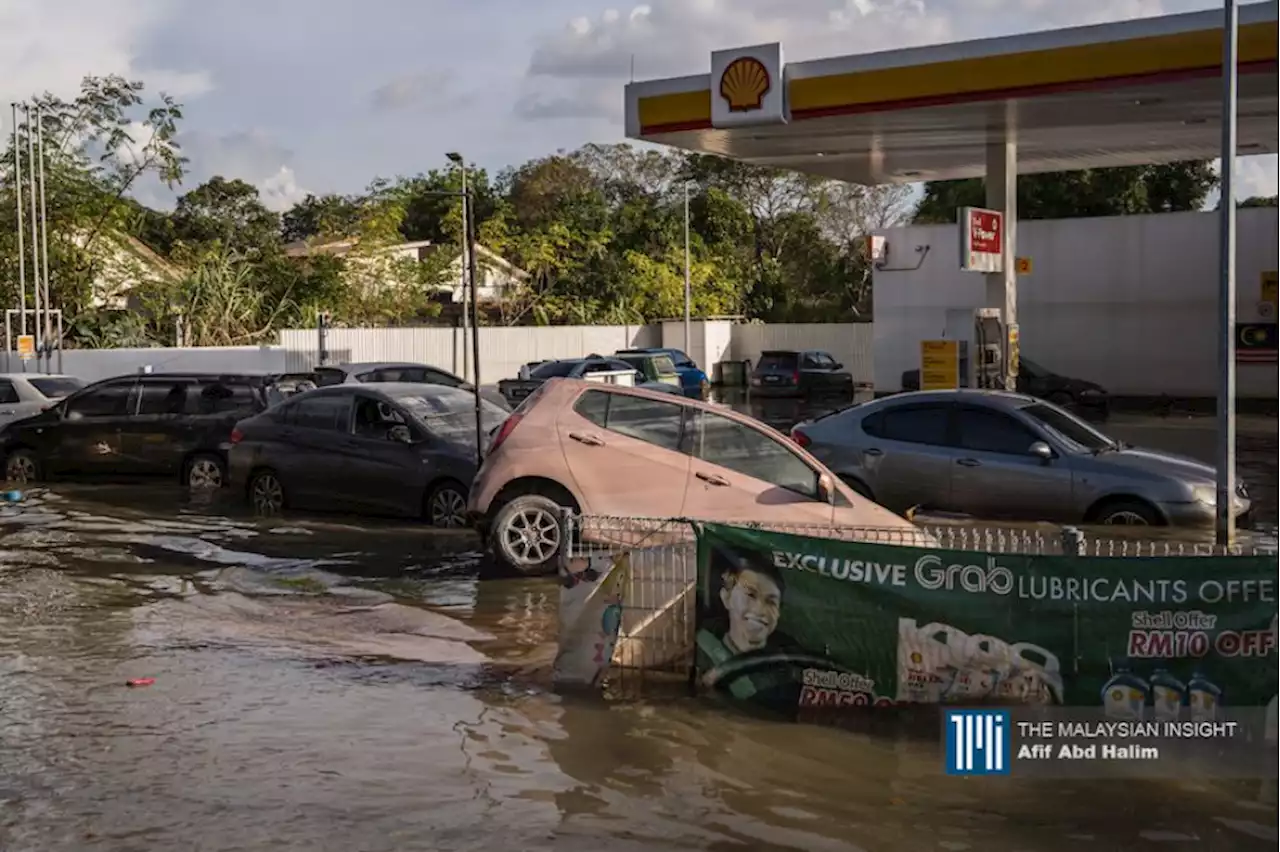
744 84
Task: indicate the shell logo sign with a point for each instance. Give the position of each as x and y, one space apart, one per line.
744 84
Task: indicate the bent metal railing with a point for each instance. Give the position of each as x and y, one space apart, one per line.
658 604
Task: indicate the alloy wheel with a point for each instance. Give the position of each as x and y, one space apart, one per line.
1125 518
267 494
20 468
448 508
205 473
532 536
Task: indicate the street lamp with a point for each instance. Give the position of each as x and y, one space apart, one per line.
688 290
469 234
457 160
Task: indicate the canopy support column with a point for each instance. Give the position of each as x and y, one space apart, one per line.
1002 195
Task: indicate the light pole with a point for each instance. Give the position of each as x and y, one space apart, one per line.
457 160
688 289
469 229
1225 527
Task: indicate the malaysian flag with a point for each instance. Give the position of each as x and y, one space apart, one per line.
1256 343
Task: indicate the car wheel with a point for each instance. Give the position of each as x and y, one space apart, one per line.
1128 513
526 534
22 467
447 505
266 493
205 471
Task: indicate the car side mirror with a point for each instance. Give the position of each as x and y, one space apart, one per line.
826 491
1041 450
838 366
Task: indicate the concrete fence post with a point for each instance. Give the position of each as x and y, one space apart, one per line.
1072 542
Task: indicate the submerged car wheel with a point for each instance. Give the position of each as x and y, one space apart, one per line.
21 467
526 534
447 505
205 471
266 493
1128 513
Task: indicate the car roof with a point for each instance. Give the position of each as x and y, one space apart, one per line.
392 390
11 376
995 398
373 365
779 351
664 396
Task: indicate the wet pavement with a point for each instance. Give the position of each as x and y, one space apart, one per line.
335 684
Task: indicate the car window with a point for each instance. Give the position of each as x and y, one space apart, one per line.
329 412
825 361
679 358
207 398
105 401
1068 428
440 377
986 431
327 376
56 387
915 424
161 397
751 452
375 419
777 361
809 361
8 393
664 366
553 369
647 420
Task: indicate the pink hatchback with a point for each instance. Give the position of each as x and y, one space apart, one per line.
623 452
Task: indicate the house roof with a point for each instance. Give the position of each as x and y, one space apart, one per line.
338 248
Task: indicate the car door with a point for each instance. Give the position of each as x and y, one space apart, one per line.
384 475
310 453
741 472
86 440
11 404
908 457
624 453
996 476
149 441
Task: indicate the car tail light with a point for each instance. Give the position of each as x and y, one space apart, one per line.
236 436
801 439
504 431
795 377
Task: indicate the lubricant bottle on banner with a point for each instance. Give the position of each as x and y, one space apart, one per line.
1204 696
926 668
1167 695
1125 695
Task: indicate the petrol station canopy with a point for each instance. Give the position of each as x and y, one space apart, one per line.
1137 92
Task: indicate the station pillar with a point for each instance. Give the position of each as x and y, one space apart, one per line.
1002 195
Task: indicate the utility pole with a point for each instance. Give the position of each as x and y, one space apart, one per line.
688 288
469 259
35 231
22 251
1225 526
44 235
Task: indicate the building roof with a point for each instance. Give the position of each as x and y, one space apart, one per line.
338 248
1141 91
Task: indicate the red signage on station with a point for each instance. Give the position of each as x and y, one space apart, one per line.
981 240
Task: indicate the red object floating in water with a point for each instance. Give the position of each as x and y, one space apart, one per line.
140 681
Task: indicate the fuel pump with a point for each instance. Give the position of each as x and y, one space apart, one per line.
989 339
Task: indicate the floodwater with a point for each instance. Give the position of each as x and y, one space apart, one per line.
346 685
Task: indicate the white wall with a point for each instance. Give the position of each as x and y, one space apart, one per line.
848 343
90 365
1129 302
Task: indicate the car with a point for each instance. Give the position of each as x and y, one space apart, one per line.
808 372
1004 455
693 380
398 371
150 425
614 451
1078 395
515 391
25 394
657 369
388 449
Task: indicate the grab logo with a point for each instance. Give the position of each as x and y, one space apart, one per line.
933 575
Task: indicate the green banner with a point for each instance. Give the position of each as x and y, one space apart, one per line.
795 622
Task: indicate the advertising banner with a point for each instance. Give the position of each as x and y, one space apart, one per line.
592 593
793 622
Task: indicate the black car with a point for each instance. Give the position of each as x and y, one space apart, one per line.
809 372
156 424
388 449
398 371
1084 397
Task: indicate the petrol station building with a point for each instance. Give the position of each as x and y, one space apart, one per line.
1139 92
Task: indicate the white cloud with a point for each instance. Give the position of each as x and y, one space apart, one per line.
1256 176
281 191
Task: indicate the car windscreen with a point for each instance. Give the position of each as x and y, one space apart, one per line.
777 361
328 376
553 370
452 417
56 387
664 365
1069 429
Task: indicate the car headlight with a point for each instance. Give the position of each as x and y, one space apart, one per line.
1206 494
1093 392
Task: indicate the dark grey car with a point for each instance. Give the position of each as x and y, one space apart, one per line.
388 449
376 372
1002 455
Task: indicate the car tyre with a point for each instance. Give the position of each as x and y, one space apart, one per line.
526 534
22 467
266 493
446 505
1128 513
205 470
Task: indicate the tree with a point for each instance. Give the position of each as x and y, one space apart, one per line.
229 212
1090 192
1259 201
324 216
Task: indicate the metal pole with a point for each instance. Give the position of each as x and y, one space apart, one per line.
1225 527
44 250
688 290
465 265
475 320
35 232
22 251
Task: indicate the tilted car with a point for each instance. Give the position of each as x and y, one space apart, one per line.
622 452
1000 455
25 394
373 372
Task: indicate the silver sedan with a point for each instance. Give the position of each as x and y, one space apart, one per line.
1001 455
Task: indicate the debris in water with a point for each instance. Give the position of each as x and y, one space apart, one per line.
13 496
140 681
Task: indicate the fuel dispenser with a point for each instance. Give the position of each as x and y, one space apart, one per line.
988 349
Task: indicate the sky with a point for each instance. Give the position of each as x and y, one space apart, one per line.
324 95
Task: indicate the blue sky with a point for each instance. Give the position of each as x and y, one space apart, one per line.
323 95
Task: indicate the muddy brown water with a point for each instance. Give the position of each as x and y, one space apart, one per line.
333 684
